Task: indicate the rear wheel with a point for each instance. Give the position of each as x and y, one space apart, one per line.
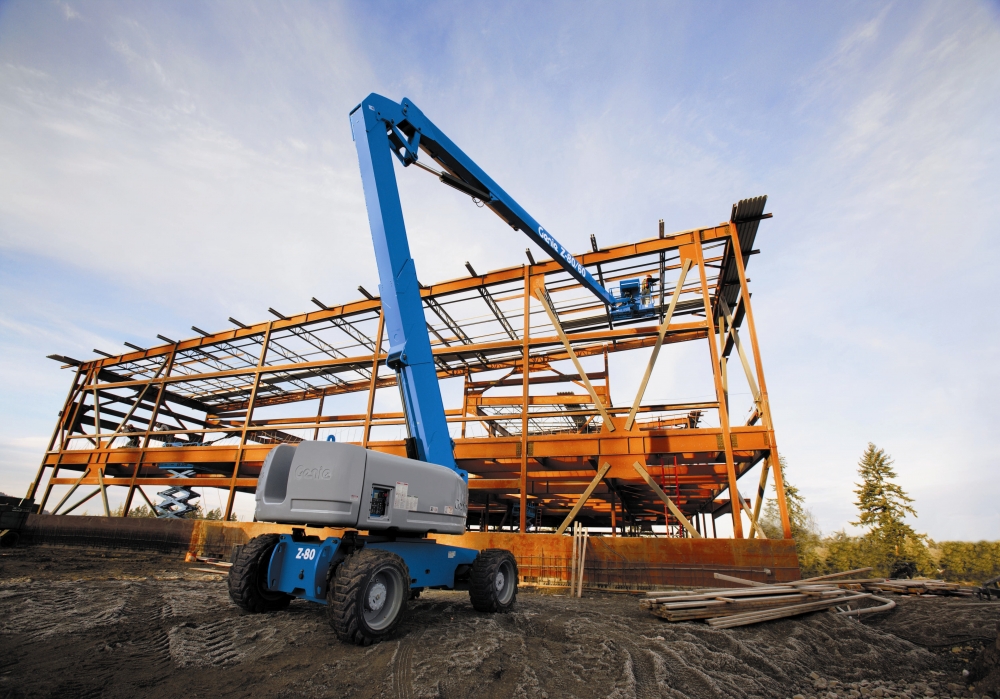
367 596
493 582
248 577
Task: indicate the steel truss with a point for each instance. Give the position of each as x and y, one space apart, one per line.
538 457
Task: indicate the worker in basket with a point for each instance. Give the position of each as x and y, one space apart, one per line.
647 289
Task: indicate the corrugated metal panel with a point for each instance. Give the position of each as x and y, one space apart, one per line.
746 215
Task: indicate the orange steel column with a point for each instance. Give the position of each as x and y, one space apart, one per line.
765 416
65 423
466 378
149 429
734 493
56 436
374 381
97 419
319 417
613 523
524 399
246 422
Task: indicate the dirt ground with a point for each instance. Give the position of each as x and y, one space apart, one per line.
87 623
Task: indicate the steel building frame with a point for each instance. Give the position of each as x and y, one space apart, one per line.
204 412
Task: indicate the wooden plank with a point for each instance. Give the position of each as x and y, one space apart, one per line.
741 581
584 497
71 490
831 576
739 348
104 491
663 496
542 295
725 610
753 520
744 592
779 613
662 333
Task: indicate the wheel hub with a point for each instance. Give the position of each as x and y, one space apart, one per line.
498 583
376 596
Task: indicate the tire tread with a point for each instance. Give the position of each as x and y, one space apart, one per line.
344 598
481 590
244 575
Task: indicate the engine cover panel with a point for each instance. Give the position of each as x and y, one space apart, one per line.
343 485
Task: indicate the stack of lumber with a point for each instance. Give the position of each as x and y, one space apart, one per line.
726 607
912 587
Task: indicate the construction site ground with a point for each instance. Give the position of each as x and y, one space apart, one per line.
93 623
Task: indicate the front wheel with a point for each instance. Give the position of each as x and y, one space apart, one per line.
493 582
367 596
248 577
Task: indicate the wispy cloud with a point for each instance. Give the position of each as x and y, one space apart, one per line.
167 166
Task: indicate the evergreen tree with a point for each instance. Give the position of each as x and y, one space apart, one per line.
135 511
799 517
882 505
804 529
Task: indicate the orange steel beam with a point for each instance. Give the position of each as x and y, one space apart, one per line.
779 484
681 333
525 400
212 385
453 286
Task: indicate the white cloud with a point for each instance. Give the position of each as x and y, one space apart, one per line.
68 11
182 176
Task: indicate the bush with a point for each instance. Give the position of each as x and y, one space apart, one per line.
198 513
954 561
888 541
962 561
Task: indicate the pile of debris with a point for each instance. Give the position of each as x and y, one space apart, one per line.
726 607
989 589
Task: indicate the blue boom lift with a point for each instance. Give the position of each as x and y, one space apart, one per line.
365 581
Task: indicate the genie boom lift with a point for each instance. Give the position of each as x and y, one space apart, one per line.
366 580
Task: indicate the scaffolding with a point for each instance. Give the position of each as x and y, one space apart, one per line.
538 434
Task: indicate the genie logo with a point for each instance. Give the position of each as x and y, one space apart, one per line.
314 473
561 251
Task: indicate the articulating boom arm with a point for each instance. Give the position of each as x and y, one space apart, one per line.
380 127
408 131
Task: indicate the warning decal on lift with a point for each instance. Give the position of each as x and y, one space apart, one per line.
403 499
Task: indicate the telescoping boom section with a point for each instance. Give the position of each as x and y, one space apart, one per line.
380 127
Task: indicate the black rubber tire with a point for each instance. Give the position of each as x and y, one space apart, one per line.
493 567
248 578
352 617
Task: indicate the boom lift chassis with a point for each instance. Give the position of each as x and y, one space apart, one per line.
366 581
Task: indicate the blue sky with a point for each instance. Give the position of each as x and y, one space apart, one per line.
163 165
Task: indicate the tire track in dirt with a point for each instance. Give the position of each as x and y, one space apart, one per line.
118 636
42 610
402 670
212 643
643 672
143 636
632 668
190 599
